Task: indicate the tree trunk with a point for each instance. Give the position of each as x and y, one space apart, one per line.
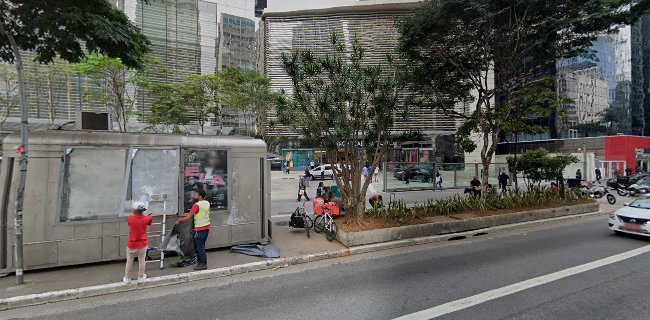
20 193
514 170
50 100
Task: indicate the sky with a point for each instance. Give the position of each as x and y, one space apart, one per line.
292 5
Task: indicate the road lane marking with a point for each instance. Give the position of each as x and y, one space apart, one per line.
461 304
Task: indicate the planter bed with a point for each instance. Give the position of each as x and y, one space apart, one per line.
466 221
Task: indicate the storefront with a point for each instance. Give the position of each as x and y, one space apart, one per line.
81 186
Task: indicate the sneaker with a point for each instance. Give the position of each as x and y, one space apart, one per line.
200 267
126 280
142 279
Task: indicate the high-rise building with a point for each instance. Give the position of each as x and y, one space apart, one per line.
621 66
293 25
187 36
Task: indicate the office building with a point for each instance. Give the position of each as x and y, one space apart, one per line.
615 80
295 25
187 36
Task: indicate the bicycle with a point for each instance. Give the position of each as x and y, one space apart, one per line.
300 219
325 223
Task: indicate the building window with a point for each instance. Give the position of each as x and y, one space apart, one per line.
206 170
92 183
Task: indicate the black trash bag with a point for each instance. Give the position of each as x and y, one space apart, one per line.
180 241
258 250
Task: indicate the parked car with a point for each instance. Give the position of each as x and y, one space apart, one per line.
633 218
415 174
323 171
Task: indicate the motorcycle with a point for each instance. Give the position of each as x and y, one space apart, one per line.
598 192
623 190
637 189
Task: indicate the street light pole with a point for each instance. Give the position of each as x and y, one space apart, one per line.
584 157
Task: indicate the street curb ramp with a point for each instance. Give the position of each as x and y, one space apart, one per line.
111 288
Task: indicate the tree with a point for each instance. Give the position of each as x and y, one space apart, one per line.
531 109
9 93
538 165
178 104
51 84
337 99
248 92
120 87
462 52
167 108
60 27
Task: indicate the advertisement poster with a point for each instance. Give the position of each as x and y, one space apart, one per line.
206 170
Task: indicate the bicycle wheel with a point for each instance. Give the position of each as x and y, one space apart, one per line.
332 233
319 223
308 224
611 199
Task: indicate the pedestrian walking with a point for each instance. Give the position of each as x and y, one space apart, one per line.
598 175
579 175
438 180
302 188
200 212
366 170
503 180
136 246
377 173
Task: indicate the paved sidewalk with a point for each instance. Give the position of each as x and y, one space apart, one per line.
284 192
291 243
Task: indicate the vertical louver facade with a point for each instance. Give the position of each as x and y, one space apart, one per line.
375 29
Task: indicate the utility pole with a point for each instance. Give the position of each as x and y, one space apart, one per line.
18 216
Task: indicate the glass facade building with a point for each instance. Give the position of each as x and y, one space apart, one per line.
613 84
188 36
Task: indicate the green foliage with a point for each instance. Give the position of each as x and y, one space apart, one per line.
248 92
533 101
51 85
119 85
534 198
538 165
178 104
452 48
53 28
201 96
338 98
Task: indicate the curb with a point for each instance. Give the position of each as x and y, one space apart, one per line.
104 289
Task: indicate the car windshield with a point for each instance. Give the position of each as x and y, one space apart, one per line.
643 203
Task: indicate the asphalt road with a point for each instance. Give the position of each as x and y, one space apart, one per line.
392 284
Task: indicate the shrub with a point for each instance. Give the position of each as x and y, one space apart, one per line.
535 197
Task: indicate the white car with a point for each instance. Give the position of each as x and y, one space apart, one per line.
323 171
634 218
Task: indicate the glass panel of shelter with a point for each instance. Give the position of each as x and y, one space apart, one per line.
92 185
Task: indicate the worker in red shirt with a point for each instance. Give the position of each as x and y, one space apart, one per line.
200 212
137 244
